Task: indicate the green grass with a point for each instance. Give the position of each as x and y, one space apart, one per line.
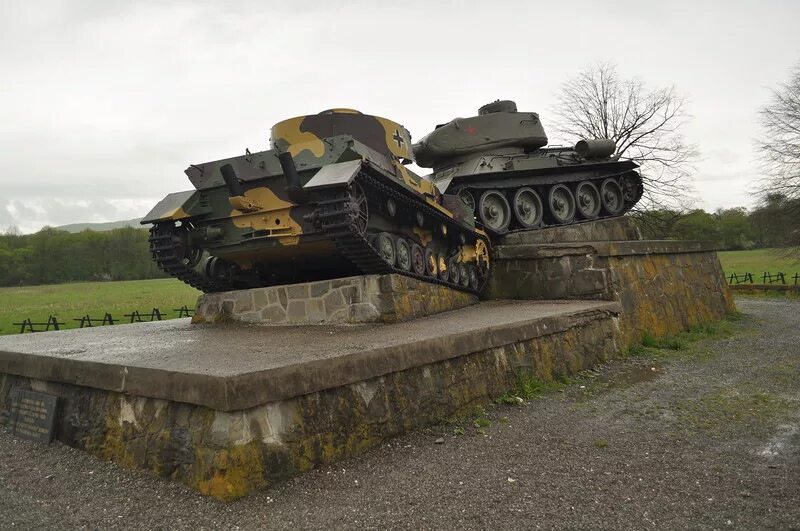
69 301
680 345
758 261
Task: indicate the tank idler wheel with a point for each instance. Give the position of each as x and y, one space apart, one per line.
385 244
403 252
587 199
431 267
630 192
360 208
562 204
468 199
454 272
463 273
494 211
417 259
611 197
443 266
528 207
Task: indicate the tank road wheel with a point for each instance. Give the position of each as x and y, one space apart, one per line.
468 199
611 197
454 272
528 207
562 204
494 211
417 259
403 252
463 273
359 205
385 245
431 268
587 200
442 265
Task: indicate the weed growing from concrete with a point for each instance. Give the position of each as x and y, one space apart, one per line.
663 347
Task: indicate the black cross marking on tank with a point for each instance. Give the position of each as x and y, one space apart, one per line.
398 138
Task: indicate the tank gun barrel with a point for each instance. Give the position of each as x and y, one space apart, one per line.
294 189
231 180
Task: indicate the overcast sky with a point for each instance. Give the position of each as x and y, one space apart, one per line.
104 103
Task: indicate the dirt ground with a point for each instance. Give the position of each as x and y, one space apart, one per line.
696 434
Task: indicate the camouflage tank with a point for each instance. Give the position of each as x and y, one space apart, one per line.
498 164
331 198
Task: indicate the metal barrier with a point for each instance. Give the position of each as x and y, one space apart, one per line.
767 278
136 317
27 325
740 279
86 321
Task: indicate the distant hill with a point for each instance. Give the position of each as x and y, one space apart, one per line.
100 227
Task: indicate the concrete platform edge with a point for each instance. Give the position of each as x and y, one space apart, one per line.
252 389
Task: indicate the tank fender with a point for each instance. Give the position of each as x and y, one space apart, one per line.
175 206
340 173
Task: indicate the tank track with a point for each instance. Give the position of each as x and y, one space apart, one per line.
339 222
631 197
168 253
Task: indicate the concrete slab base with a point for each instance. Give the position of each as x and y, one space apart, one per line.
227 409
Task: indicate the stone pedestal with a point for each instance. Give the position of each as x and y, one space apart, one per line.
362 299
229 409
664 286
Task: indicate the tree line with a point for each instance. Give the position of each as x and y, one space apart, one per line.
771 224
53 256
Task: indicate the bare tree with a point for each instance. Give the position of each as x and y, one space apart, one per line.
781 145
645 124
780 150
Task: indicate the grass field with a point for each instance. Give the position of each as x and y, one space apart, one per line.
69 301
758 261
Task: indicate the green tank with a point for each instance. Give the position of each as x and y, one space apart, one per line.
498 164
331 198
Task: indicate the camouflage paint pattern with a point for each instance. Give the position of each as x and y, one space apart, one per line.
260 226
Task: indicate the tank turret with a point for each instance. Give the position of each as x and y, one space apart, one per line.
497 126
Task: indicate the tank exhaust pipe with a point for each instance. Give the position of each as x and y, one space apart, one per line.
293 187
231 180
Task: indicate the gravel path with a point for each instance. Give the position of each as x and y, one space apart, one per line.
706 437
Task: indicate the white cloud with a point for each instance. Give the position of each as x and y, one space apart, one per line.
108 102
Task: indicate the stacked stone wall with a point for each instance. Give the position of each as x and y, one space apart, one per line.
362 299
664 287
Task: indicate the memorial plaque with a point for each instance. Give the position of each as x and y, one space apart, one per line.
33 415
